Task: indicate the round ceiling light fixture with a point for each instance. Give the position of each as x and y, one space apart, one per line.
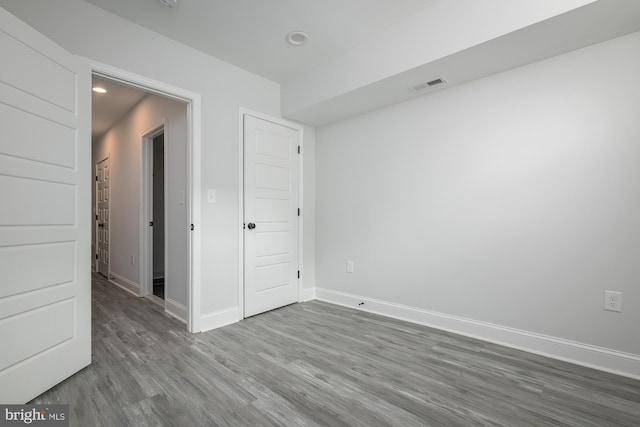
99 89
297 38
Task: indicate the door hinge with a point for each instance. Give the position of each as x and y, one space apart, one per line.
192 228
298 149
298 211
150 223
96 256
96 217
96 177
298 274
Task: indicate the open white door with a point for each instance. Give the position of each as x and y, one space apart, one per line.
271 215
45 213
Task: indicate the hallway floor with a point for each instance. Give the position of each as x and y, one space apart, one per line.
319 364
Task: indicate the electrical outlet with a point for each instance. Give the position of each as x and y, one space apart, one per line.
349 266
613 301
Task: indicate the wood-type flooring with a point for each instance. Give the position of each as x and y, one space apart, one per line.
317 364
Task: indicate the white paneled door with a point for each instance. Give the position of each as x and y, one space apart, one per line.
270 215
45 213
102 217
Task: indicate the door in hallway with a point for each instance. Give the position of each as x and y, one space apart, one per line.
102 217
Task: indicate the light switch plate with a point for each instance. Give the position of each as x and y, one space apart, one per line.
211 196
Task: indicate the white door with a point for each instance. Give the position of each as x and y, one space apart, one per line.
102 217
45 213
270 215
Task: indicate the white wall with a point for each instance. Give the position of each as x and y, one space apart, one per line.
91 32
512 200
122 144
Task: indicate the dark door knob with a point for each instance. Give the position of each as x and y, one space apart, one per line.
101 225
251 226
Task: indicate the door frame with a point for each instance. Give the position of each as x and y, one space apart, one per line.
95 220
300 129
194 143
146 211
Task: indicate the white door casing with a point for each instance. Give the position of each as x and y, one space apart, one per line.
45 218
102 217
271 265
192 201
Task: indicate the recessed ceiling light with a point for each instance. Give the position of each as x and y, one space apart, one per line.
98 89
297 38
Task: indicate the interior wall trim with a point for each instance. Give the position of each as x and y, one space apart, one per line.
604 359
175 309
126 284
218 319
308 294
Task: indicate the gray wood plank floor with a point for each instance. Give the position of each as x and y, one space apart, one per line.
316 364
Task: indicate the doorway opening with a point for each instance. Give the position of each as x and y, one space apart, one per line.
139 256
158 216
154 208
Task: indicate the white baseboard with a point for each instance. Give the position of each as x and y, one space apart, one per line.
218 319
124 283
603 359
175 309
308 294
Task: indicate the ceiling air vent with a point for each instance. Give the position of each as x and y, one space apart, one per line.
428 84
